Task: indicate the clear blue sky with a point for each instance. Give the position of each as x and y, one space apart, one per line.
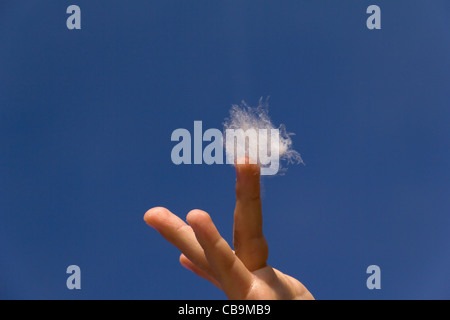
86 118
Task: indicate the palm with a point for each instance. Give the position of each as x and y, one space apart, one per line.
243 273
271 284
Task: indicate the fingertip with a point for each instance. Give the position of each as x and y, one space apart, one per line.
153 215
247 181
196 217
246 167
186 263
249 170
183 260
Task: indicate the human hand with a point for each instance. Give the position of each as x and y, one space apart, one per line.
243 273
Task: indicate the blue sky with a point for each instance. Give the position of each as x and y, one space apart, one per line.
86 118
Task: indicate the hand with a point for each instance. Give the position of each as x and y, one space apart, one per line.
243 274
